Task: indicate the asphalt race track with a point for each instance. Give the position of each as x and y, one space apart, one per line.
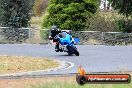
93 58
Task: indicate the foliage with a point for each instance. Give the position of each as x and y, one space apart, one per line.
123 6
124 25
0 16
121 24
103 21
69 14
40 6
16 13
44 34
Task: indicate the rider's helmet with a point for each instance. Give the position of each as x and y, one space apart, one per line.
54 31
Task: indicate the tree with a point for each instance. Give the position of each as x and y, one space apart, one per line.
69 14
123 6
0 16
16 13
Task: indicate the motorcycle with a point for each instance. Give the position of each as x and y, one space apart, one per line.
67 43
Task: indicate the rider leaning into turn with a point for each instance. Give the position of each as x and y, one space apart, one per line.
63 40
53 33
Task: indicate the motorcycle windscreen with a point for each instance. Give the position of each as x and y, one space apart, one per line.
65 40
76 40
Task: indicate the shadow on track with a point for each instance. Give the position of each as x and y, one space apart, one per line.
66 55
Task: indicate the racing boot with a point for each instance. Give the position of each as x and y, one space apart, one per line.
57 48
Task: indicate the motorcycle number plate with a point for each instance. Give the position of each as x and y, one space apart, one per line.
63 47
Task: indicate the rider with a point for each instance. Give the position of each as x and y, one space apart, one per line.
53 33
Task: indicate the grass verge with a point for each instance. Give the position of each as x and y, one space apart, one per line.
54 82
11 64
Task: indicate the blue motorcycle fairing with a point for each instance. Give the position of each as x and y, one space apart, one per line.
67 40
66 43
76 40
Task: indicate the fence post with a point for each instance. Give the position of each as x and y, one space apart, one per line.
102 38
29 33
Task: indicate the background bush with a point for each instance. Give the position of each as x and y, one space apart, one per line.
69 14
109 21
125 25
44 34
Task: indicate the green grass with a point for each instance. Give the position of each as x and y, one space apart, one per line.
70 82
54 82
57 84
